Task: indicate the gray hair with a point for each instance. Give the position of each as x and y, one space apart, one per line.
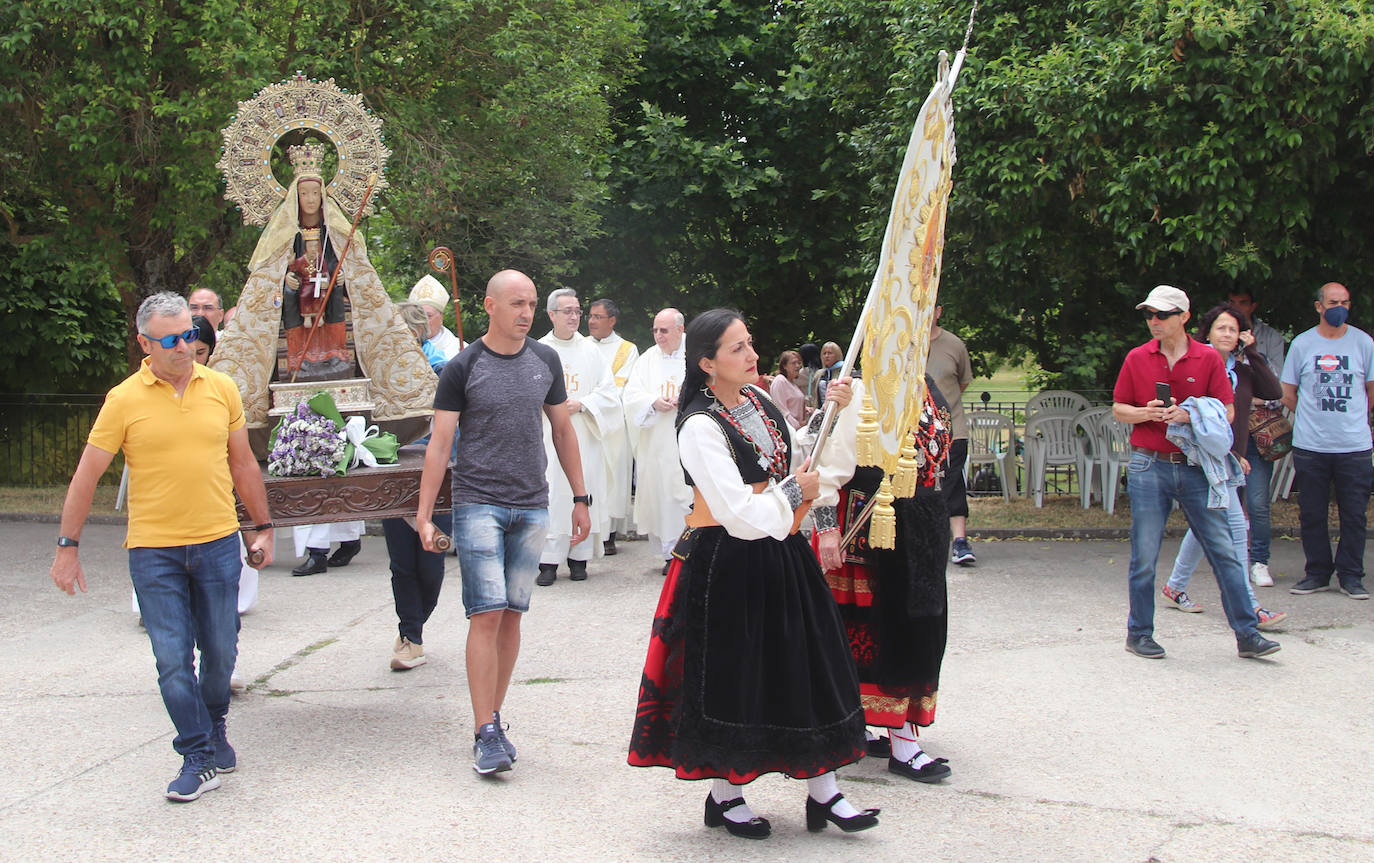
608 307
164 304
414 316
558 295
677 316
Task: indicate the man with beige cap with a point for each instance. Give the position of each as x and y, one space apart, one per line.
432 297
1161 474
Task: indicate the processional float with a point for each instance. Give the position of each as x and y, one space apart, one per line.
337 332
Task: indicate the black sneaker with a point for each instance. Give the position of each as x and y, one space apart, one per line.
505 741
548 574
1144 645
1311 584
194 780
963 552
1256 645
1354 588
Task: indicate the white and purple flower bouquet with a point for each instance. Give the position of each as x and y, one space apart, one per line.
305 443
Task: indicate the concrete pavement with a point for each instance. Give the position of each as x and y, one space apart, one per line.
1064 746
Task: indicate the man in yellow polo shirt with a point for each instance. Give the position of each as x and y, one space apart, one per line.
181 427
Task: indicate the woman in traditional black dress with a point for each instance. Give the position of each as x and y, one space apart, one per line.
893 602
748 670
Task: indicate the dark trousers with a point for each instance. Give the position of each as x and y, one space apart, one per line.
956 496
1352 474
416 578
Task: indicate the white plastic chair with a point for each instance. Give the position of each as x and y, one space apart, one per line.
1116 457
1088 425
1055 401
992 440
1050 442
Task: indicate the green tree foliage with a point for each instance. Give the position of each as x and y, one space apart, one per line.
719 190
1107 146
110 118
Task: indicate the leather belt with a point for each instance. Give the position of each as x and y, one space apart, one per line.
1171 457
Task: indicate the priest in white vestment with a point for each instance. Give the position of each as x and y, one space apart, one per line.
594 404
662 497
621 354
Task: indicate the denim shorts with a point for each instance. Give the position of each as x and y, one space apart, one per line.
498 555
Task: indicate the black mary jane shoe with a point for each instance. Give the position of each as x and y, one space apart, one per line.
754 828
880 747
819 813
346 552
931 772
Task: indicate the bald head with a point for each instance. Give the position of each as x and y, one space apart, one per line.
668 328
508 279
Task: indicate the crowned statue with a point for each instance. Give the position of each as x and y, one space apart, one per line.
311 293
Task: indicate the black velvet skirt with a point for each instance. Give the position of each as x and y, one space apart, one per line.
749 669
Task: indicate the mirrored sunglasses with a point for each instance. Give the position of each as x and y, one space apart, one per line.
169 342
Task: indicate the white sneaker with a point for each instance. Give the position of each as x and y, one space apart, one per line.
1259 575
237 684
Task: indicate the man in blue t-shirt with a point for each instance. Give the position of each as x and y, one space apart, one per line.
497 387
1328 382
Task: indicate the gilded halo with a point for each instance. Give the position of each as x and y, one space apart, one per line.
301 103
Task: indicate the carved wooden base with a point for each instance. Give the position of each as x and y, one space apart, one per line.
389 491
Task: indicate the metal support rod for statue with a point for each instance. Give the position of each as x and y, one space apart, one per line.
441 261
334 276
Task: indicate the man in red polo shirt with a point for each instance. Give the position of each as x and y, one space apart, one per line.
1161 474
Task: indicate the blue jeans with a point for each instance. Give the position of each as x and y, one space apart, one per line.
1153 485
188 595
1314 473
498 555
1257 501
1190 552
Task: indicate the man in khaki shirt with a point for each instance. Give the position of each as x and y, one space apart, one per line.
948 364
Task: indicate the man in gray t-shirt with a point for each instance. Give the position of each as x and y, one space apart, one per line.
1328 382
496 389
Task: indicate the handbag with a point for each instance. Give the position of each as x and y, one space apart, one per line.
1272 431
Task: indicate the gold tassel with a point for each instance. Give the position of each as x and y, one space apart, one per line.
908 467
867 447
882 530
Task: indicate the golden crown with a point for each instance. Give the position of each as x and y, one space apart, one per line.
308 234
306 160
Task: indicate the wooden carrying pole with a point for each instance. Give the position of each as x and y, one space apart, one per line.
334 277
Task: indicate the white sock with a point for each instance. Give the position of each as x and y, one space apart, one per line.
869 736
823 788
723 792
906 748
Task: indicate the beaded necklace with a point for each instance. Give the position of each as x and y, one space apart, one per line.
777 463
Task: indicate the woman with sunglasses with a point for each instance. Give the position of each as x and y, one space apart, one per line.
749 670
1227 329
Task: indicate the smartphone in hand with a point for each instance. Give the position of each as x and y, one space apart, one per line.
1164 394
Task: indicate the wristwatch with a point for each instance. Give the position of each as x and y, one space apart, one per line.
582 498
66 542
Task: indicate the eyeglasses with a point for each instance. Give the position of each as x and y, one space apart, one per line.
1152 315
203 307
169 342
663 329
576 313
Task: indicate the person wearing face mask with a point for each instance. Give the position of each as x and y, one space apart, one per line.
1328 382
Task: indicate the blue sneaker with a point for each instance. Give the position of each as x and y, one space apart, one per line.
963 552
505 741
194 780
488 755
225 759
